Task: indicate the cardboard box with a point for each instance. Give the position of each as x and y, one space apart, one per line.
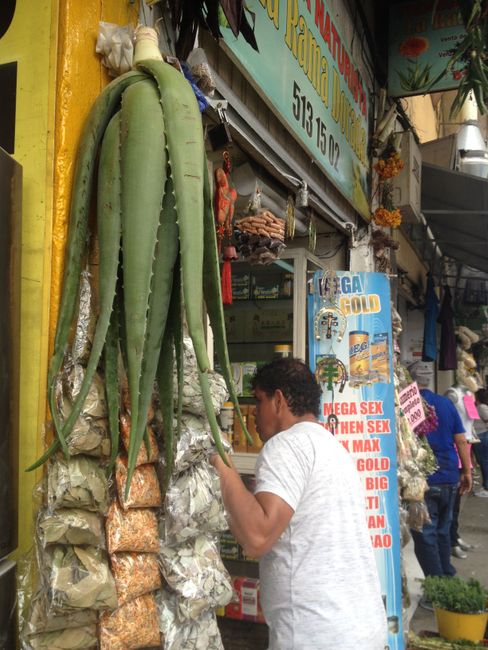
257 445
237 377
248 370
229 548
271 325
235 325
246 604
241 286
234 608
239 442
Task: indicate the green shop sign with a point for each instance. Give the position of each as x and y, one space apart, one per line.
305 72
421 40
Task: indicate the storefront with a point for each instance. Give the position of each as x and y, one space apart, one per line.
289 129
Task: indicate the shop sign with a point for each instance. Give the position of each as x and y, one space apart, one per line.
350 352
411 403
421 41
304 70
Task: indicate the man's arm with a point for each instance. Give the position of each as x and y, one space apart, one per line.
257 521
463 451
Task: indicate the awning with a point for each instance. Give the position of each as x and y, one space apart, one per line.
455 206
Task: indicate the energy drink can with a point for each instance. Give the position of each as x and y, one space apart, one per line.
358 357
380 362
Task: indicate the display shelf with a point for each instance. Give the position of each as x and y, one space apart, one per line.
260 301
284 342
244 462
245 568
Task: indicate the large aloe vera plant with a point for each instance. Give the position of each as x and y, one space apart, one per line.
144 141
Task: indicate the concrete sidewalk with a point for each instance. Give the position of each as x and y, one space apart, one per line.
473 529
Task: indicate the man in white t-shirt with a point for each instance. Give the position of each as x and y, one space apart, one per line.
306 522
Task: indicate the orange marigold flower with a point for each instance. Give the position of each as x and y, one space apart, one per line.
414 46
387 218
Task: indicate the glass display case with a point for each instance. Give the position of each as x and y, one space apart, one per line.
268 317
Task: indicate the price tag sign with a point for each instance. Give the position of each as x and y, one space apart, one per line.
411 403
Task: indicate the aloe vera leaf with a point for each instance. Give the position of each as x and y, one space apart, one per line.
186 153
165 376
186 149
94 128
109 230
213 295
53 447
112 386
159 300
143 174
212 419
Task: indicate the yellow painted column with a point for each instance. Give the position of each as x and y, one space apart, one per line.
59 76
30 41
80 79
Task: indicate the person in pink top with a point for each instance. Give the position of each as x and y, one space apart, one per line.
480 450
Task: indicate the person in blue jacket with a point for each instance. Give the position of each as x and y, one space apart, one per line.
433 543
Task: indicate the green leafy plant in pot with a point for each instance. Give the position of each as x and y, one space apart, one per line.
459 606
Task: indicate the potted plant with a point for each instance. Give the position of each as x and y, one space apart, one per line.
459 607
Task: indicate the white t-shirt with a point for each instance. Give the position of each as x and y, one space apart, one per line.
456 394
319 584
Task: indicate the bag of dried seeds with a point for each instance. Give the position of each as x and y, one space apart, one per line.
135 574
201 634
193 505
134 530
77 482
144 491
134 625
196 573
142 457
70 526
77 578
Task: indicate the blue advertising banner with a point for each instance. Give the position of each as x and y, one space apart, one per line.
350 352
421 40
305 71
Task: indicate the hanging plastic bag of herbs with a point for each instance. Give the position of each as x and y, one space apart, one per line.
142 455
134 530
144 491
134 625
77 482
70 526
135 574
201 634
192 394
78 638
193 505
77 578
196 573
42 619
194 445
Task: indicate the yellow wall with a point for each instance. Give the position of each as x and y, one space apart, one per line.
423 116
409 260
59 76
30 41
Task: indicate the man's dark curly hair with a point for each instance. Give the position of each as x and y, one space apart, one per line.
296 382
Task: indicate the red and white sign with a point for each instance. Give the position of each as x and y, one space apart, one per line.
411 403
